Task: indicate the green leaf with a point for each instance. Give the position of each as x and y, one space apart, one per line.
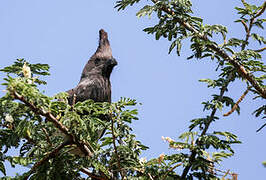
228 135
260 110
158 34
2 168
197 122
259 38
178 46
247 54
172 46
24 161
146 10
121 5
217 156
211 83
188 135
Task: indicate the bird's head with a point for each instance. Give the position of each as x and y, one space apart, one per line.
102 62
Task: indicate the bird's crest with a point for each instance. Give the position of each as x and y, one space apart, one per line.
104 49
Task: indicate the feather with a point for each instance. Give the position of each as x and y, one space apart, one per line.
95 78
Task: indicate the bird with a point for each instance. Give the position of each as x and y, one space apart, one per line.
95 83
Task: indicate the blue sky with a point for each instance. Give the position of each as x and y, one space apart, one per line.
64 34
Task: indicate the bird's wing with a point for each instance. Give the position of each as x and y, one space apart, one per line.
95 89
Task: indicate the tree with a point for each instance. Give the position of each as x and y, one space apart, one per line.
116 156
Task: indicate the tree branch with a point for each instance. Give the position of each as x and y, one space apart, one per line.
194 152
261 11
245 25
171 169
61 127
115 148
57 124
50 155
90 174
260 50
47 136
261 127
237 103
240 69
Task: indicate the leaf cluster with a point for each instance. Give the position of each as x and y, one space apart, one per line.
46 149
235 60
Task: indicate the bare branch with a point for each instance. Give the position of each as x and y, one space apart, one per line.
260 50
150 176
234 176
237 103
261 127
245 25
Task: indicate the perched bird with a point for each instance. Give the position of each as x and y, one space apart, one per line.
95 81
95 78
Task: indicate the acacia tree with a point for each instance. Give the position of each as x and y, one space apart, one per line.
38 126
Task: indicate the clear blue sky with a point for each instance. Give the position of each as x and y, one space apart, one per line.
64 34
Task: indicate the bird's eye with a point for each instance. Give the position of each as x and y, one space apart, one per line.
97 61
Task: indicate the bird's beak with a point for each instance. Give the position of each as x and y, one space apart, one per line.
112 62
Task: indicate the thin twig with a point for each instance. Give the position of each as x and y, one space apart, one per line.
47 136
194 152
50 155
251 23
245 25
225 172
90 174
260 50
74 101
261 11
150 176
234 176
30 140
171 169
248 29
115 148
261 127
237 103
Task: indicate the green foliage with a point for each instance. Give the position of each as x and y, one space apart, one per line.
25 125
121 5
259 111
176 23
259 38
36 69
59 141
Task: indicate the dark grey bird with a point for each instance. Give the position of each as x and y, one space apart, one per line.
95 78
95 81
